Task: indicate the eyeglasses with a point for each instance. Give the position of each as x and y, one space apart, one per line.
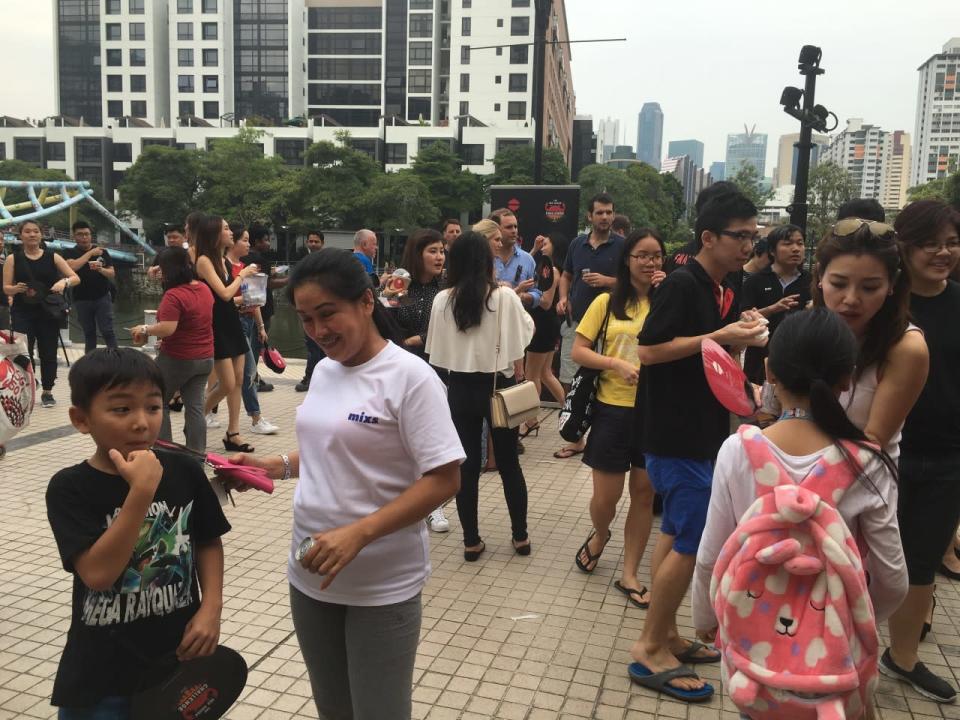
742 235
850 226
932 247
648 257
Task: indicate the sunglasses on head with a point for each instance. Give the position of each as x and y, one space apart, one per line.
851 226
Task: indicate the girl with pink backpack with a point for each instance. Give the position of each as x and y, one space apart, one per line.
801 555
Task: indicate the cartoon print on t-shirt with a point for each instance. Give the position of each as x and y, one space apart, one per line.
158 578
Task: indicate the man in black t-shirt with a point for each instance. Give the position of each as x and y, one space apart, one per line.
680 425
139 532
92 298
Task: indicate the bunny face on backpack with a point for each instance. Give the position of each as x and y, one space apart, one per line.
796 626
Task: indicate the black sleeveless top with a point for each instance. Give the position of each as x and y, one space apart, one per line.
45 274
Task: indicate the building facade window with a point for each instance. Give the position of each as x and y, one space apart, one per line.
211 83
113 31
343 69
345 18
344 43
184 6
211 58
56 151
185 83
29 150
464 54
208 30
421 4
516 110
472 154
211 110
465 26
138 31
138 57
464 82
113 7
343 94
209 6
421 53
421 26
290 150
114 58
396 153
519 26
122 152
185 107
519 54
114 108
419 107
114 83
467 4
138 83
520 3
185 57
184 31
420 81
138 108
136 7
464 108
518 82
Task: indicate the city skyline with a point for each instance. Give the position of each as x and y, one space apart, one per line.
871 73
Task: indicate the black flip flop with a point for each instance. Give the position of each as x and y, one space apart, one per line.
947 572
630 592
591 559
690 657
659 682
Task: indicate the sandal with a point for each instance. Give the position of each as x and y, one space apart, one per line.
525 549
591 559
630 592
236 447
566 453
474 555
660 682
531 428
690 657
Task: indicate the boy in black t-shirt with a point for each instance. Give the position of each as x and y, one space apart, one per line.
681 426
140 532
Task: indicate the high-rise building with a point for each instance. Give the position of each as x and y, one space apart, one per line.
77 45
584 150
896 171
650 134
608 137
936 137
691 148
201 64
266 54
746 147
718 171
859 149
622 157
692 178
788 156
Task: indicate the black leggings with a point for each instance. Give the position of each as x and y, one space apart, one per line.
469 398
43 332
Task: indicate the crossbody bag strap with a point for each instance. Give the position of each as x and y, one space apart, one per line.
602 337
496 362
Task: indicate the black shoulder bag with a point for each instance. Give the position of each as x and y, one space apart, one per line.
576 416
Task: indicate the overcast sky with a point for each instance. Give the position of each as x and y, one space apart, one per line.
712 66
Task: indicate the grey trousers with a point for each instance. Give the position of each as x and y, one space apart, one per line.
190 378
360 659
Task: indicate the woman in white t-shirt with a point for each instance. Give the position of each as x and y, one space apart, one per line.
377 452
469 321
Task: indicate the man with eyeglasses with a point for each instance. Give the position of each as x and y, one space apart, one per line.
775 292
680 426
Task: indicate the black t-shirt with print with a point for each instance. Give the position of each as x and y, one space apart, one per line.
677 415
116 635
93 285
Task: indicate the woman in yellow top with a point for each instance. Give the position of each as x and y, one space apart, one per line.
609 450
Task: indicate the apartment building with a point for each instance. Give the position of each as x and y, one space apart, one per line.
937 134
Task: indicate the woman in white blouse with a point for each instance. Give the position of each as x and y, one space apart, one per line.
464 334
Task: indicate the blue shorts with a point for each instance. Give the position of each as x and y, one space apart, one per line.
109 708
685 486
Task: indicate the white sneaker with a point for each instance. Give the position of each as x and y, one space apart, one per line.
212 421
438 522
264 427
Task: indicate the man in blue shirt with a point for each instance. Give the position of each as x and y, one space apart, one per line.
514 266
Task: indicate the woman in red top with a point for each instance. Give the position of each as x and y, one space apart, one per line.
185 357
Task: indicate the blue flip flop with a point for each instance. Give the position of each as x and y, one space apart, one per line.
659 682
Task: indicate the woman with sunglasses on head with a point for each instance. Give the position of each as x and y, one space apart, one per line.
929 486
618 317
860 276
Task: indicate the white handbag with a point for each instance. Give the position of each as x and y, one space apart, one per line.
512 406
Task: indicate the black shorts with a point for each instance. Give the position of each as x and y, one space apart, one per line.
611 439
928 510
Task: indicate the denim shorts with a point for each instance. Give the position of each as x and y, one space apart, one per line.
684 485
109 708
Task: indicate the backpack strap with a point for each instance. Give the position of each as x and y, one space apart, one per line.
768 473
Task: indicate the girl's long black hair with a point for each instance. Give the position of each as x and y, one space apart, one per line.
470 279
811 353
337 271
623 292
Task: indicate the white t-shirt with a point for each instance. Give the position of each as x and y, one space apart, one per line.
365 435
869 512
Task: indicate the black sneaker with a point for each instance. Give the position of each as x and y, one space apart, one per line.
47 401
922 680
302 386
264 387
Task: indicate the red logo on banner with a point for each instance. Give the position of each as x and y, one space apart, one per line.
514 205
555 210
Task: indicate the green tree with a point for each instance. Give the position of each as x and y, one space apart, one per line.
660 209
751 184
452 189
333 186
595 179
830 187
163 185
944 189
398 201
514 166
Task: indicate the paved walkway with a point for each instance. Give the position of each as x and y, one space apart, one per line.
507 637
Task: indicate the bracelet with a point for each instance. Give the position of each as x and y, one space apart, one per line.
286 466
260 326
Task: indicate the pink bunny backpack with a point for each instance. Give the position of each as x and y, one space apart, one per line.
797 633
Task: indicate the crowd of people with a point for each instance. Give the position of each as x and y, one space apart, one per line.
854 364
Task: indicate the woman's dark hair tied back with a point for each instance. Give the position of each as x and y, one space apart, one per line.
470 278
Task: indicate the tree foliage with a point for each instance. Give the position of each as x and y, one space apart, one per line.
647 197
399 201
162 186
830 186
944 189
748 179
452 189
514 166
